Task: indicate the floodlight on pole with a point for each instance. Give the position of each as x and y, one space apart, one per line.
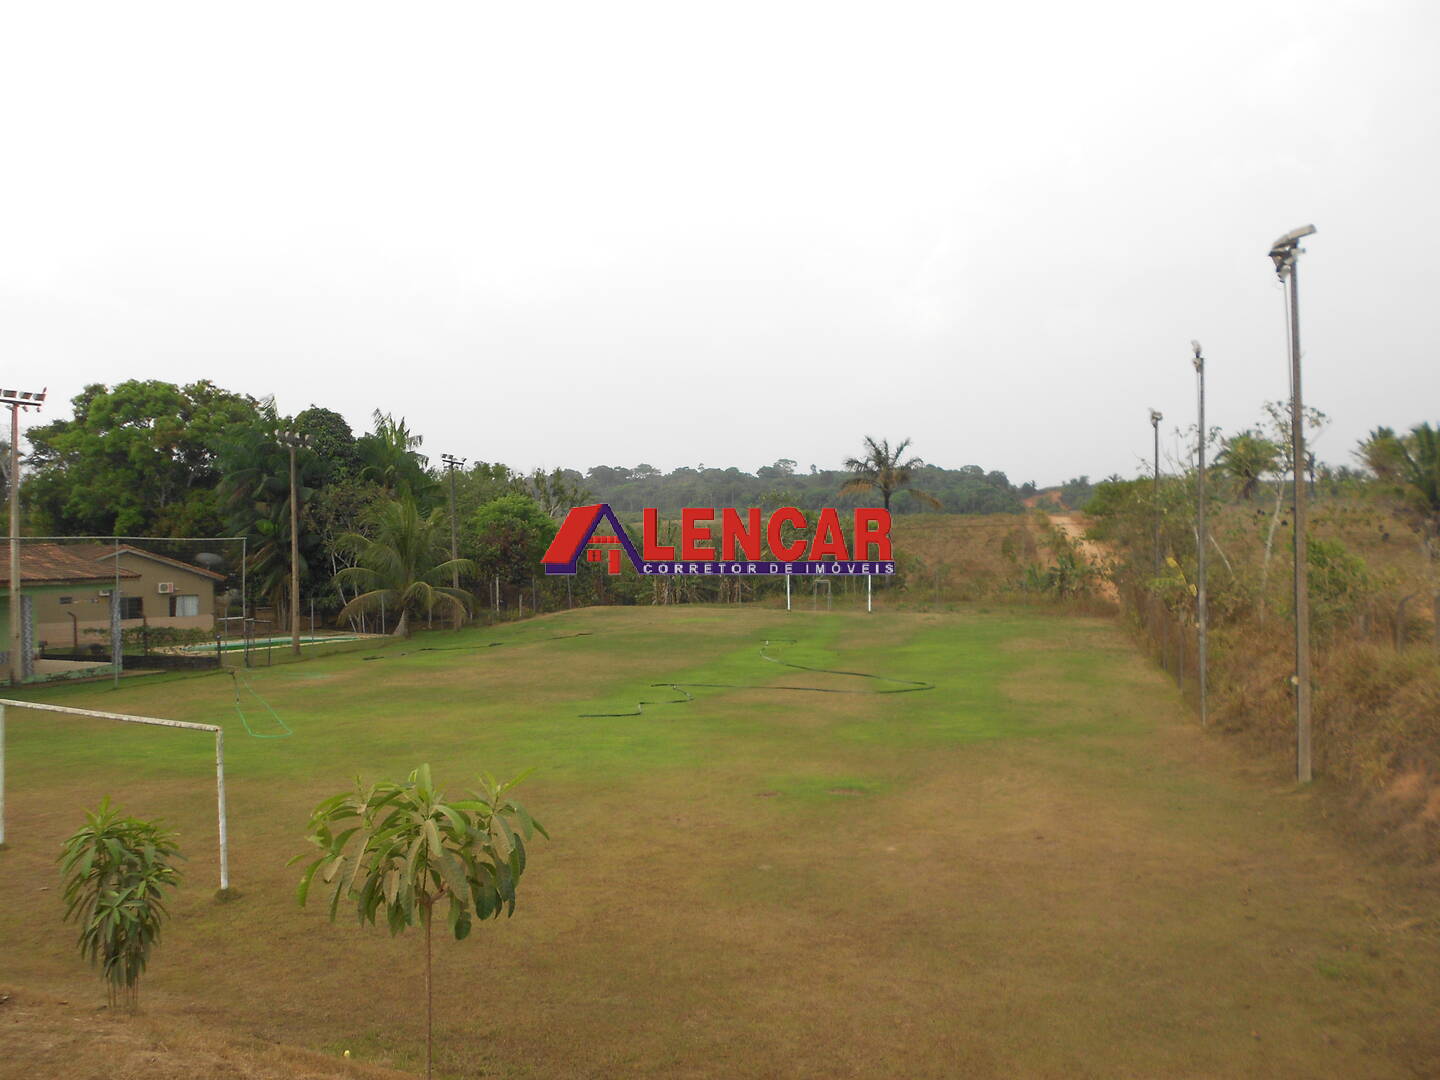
17 400
293 439
1202 612
1285 254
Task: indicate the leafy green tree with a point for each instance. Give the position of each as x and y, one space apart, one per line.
1410 466
884 470
255 494
340 507
1247 458
507 537
555 492
397 850
1076 492
115 870
136 459
390 456
480 483
401 566
332 441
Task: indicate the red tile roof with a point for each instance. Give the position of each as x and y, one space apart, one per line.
56 564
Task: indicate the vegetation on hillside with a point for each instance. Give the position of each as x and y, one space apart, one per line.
1371 563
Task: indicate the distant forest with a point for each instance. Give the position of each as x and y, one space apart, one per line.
967 490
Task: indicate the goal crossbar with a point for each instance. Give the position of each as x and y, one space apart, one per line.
126 718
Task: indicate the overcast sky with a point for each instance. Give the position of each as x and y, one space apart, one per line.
608 233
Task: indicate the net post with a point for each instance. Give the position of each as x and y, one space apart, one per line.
868 607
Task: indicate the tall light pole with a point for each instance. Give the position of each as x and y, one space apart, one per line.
1201 608
1155 418
294 439
1285 253
451 464
17 400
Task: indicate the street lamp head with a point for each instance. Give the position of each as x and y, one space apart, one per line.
1293 237
1199 360
1284 250
1155 417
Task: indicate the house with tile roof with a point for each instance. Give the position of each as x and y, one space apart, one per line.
68 587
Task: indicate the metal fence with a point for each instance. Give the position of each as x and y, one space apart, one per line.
1171 642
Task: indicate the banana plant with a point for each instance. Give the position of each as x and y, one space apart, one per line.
397 851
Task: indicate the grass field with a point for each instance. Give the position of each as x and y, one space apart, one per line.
1039 868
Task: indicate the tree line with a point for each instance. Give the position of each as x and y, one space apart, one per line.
155 459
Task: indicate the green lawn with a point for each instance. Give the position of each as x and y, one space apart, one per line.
1038 868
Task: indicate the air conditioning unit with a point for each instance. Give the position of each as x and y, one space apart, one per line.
165 587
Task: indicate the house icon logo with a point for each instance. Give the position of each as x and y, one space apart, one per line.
582 531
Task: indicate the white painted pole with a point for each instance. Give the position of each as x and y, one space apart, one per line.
868 605
152 722
787 592
220 799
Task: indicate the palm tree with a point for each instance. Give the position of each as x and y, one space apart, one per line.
401 566
882 470
1410 465
391 457
1246 458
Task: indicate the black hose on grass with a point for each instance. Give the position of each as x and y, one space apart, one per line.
478 648
903 686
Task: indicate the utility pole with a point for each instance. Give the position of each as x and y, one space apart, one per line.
1155 418
293 439
1201 608
451 464
17 400
1285 253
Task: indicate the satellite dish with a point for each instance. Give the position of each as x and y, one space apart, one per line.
210 560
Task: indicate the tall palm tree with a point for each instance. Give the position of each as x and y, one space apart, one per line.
391 456
1246 458
882 470
1410 465
402 565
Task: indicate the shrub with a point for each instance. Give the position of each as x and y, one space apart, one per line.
115 871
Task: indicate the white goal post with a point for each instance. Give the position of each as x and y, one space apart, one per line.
125 718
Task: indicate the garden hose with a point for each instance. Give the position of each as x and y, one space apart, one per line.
476 648
903 686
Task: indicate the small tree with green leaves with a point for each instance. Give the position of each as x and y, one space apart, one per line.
115 870
397 850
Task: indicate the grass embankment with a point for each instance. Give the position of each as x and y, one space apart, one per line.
1037 869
